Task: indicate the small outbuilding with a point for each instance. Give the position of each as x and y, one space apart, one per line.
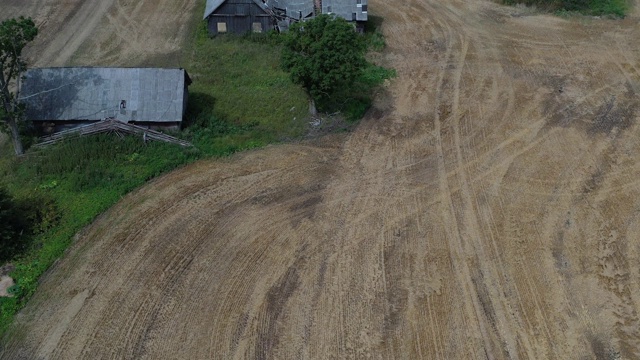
61 98
355 11
237 16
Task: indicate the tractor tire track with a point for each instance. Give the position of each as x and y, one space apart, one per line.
487 207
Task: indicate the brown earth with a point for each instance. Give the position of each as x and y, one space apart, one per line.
5 283
487 207
103 32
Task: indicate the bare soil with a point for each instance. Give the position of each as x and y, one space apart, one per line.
5 283
487 207
104 32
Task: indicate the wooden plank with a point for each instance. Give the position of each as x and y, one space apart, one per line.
115 126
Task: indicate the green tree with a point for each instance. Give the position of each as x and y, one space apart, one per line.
15 34
323 55
14 227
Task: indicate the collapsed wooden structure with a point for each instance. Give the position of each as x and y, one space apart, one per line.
112 126
244 16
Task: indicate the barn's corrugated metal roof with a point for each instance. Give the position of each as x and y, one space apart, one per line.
213 5
82 93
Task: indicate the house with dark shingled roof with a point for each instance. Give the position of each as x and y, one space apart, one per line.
243 16
237 16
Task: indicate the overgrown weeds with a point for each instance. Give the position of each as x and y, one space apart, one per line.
615 8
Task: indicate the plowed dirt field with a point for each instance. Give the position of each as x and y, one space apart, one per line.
488 207
104 32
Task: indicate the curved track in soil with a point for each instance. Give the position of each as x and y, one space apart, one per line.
104 32
488 207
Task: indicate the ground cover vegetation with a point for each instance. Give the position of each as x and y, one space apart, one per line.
241 98
327 58
616 8
15 225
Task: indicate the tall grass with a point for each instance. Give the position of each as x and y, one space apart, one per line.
617 8
84 176
238 80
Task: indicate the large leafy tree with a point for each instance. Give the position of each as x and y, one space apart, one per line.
15 34
324 55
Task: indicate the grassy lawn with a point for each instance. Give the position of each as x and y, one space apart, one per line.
238 84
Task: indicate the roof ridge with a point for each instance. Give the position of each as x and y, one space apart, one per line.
105 67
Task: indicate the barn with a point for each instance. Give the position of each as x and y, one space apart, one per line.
237 16
56 99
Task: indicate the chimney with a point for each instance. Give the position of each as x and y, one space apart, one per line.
317 6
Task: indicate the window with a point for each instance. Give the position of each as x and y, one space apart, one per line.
257 27
123 104
329 9
222 27
364 8
359 2
354 17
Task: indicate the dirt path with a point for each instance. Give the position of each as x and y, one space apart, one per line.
139 32
77 28
104 32
63 26
488 207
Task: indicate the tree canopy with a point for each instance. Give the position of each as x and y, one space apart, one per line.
15 34
324 55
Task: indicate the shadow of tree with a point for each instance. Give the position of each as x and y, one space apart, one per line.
50 94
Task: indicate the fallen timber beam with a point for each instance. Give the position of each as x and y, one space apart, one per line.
111 125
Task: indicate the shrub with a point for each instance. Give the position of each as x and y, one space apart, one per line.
15 227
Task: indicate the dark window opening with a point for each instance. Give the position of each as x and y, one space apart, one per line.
123 104
354 17
364 7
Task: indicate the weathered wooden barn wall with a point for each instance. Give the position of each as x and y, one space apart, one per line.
239 17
